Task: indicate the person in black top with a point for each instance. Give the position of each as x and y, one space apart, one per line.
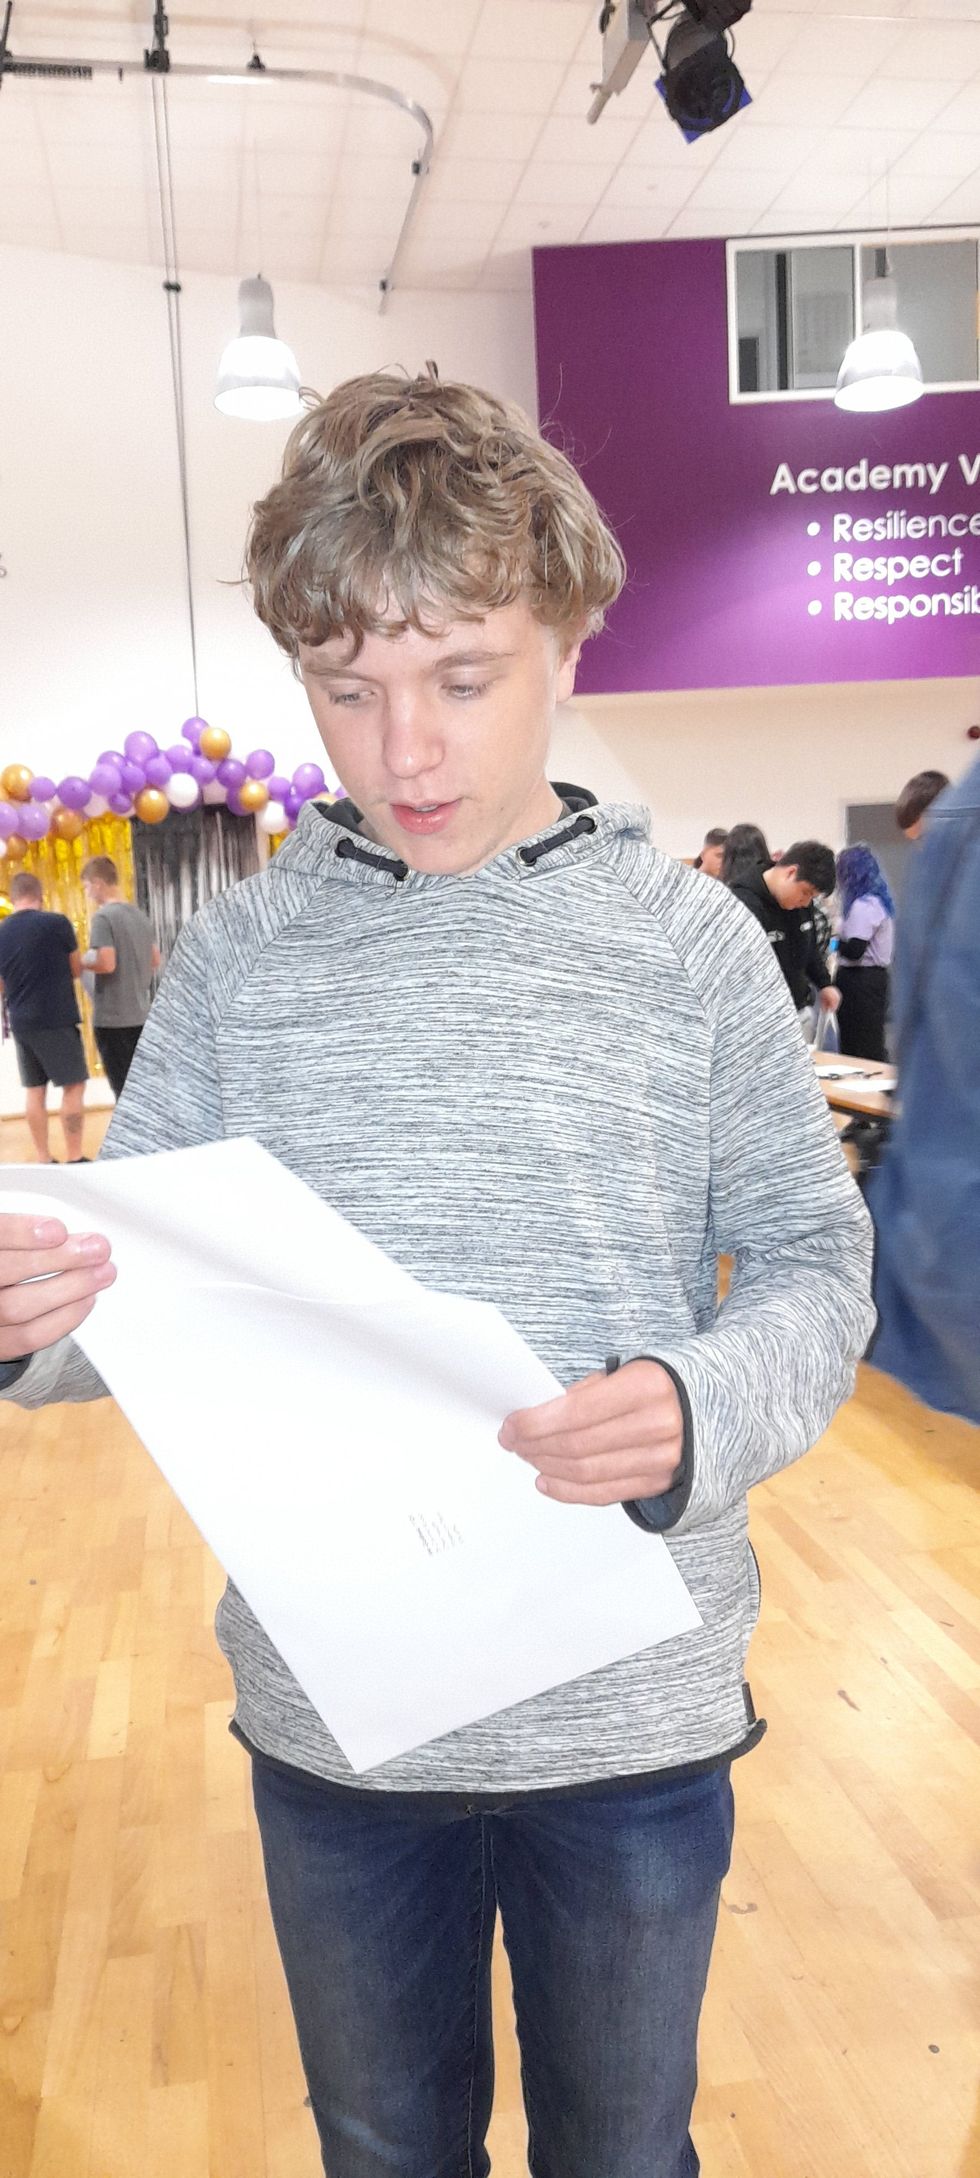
781 895
39 960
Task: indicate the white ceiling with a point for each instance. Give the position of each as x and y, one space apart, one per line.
864 111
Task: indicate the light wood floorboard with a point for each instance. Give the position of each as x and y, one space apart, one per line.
144 2028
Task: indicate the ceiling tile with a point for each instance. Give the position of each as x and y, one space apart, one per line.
895 103
934 154
910 201
741 190
935 49
840 49
448 25
868 153
694 222
527 225
814 99
817 189
91 166
641 224
963 111
548 182
962 204
578 90
475 224
485 135
508 273
22 164
378 181
536 29
515 86
636 188
473 181
574 142
761 147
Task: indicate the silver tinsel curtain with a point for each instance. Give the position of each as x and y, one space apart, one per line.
181 863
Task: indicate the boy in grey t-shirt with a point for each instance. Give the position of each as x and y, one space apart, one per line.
123 957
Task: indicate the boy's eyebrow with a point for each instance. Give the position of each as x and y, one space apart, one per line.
323 669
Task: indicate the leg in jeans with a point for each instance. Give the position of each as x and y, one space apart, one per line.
37 1121
73 1119
384 1916
609 1909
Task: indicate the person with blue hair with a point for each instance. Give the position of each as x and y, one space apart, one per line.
866 940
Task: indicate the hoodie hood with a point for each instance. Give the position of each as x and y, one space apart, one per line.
328 841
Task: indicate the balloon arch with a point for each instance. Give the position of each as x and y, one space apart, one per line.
144 781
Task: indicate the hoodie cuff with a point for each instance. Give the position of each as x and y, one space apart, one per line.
12 1371
658 1514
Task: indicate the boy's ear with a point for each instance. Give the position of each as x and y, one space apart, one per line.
567 669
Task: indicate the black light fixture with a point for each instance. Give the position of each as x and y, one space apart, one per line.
700 84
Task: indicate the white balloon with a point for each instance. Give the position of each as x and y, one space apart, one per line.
181 790
214 792
97 807
272 819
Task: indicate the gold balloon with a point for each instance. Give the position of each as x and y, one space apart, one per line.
215 744
67 824
16 847
6 906
253 794
16 783
151 806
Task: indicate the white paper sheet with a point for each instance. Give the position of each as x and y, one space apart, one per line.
331 1426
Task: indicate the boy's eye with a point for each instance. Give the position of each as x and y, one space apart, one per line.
467 688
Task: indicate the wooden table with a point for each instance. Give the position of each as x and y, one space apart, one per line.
849 1086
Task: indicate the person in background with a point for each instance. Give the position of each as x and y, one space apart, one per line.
866 938
745 847
710 858
916 797
39 960
924 1196
123 958
781 898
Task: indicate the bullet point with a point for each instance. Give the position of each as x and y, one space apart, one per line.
814 567
814 607
813 529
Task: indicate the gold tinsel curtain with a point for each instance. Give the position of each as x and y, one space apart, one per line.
59 864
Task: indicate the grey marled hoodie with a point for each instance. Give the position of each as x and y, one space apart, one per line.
563 1085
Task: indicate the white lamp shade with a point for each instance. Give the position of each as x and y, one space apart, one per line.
880 369
258 376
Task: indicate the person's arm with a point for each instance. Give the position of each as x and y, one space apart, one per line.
852 949
76 962
156 958
858 928
101 955
764 1381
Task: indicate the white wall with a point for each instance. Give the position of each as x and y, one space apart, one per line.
93 627
789 759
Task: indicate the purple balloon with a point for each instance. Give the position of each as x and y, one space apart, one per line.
292 805
279 787
139 746
203 770
260 764
8 819
34 820
231 774
43 790
192 729
180 757
121 804
158 770
235 804
106 779
308 780
74 792
133 776
113 756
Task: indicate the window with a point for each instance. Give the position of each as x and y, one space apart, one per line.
794 306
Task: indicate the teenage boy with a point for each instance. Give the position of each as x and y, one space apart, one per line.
916 798
712 852
547 1066
39 962
124 958
781 896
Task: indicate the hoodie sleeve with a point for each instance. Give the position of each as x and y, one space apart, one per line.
763 1382
172 1100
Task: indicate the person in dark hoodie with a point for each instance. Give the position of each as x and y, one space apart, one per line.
924 1196
543 1065
781 896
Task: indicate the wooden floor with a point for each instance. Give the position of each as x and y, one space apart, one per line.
144 2030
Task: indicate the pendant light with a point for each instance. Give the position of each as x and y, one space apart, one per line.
881 369
258 376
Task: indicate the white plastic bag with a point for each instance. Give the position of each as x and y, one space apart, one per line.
826 1036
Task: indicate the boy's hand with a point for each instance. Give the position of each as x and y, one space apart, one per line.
49 1280
608 1440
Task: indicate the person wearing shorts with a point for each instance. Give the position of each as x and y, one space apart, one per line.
39 960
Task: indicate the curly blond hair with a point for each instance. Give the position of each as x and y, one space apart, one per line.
406 502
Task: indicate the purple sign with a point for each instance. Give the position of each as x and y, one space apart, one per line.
770 543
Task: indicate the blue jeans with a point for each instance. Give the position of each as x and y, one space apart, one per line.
384 1908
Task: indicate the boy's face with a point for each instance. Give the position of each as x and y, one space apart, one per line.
789 888
442 740
711 860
